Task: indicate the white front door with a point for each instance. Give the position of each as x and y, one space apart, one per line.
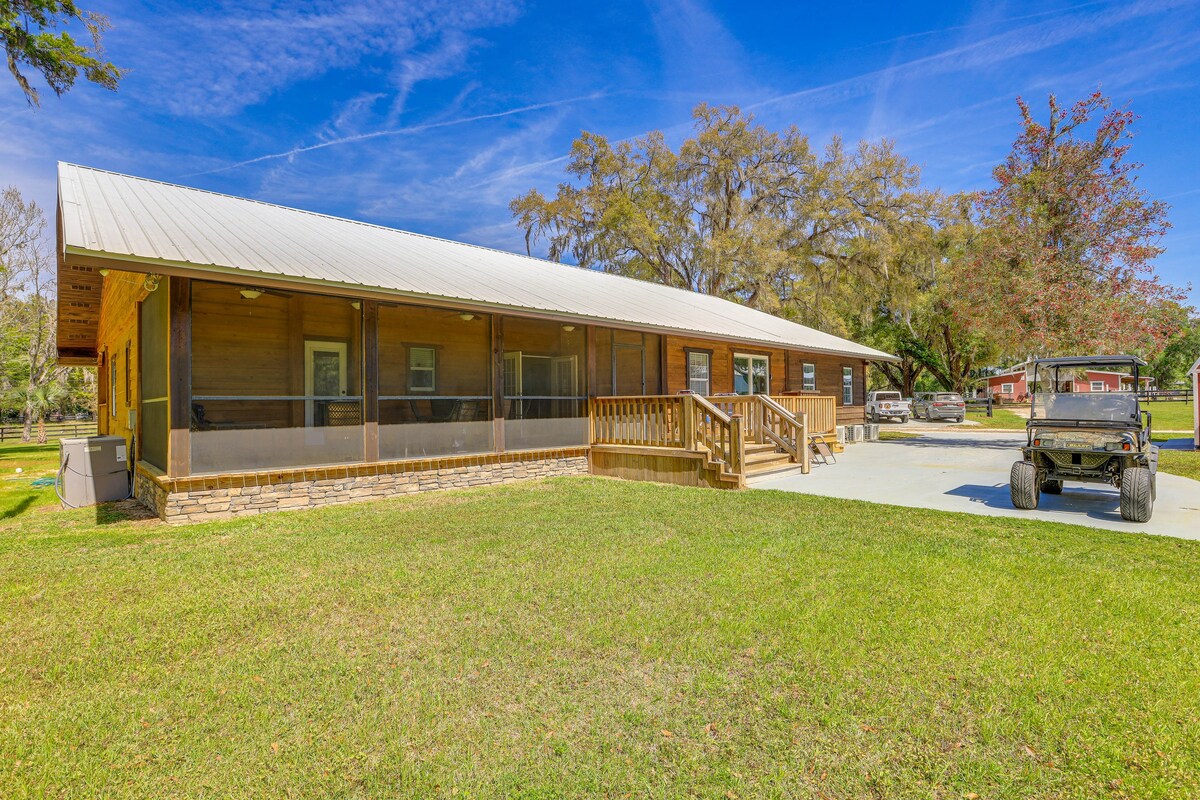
751 374
324 375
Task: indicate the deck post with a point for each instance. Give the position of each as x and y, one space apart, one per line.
687 423
737 447
179 376
806 458
370 326
497 383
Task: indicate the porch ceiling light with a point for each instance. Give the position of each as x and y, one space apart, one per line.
355 304
466 316
104 272
568 328
251 294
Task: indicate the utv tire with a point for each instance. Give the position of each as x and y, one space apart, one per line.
1137 494
1052 487
1023 485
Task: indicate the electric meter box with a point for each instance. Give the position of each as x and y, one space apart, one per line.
95 469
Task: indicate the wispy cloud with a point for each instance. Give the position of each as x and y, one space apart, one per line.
407 130
239 54
975 55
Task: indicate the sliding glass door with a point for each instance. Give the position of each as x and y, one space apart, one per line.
751 374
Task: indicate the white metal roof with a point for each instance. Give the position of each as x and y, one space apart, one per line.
123 217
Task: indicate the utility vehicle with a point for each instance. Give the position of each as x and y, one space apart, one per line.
1085 436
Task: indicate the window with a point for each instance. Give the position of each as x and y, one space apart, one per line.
847 386
128 389
112 387
810 378
1098 386
699 371
422 369
1006 388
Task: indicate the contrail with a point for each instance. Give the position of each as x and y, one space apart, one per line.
362 137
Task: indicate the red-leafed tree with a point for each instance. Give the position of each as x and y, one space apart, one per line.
1063 262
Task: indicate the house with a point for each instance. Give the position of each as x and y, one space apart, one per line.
1195 373
259 357
1012 385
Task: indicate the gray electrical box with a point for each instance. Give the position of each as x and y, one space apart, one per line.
95 469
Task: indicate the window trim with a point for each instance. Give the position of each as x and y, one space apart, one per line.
1093 384
687 368
433 370
804 385
1007 388
847 386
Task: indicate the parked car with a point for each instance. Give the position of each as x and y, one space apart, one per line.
1091 437
939 405
887 405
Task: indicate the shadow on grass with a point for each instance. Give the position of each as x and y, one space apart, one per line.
20 507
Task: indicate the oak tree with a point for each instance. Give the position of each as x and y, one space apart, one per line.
32 36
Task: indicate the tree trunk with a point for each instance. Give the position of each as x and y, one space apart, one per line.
27 429
41 430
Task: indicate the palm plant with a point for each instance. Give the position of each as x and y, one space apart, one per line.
38 401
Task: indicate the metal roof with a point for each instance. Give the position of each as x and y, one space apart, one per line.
135 219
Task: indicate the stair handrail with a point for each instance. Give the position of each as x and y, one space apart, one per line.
797 446
727 446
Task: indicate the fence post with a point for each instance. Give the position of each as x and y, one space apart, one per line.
989 406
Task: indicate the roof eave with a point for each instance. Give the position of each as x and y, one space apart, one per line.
79 254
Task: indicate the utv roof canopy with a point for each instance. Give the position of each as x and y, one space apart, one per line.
1090 361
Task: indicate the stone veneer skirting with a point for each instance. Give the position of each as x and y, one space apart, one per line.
208 497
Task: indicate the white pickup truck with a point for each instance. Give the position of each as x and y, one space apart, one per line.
887 405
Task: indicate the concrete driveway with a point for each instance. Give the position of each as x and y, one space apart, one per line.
962 470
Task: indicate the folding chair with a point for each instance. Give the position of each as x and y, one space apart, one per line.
821 454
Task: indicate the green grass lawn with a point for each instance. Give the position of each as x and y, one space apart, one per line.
1001 418
584 637
1171 416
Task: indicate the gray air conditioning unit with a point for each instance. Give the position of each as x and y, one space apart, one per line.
92 469
841 434
872 432
856 433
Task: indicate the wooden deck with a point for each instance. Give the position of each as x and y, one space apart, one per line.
714 441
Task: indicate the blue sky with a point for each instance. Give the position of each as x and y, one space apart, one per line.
432 116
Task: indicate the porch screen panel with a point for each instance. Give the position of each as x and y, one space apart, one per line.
434 382
152 354
276 379
545 392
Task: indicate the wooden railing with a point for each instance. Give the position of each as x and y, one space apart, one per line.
653 421
706 427
821 411
718 426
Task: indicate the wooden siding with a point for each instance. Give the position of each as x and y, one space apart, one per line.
256 347
117 340
722 363
657 464
462 348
